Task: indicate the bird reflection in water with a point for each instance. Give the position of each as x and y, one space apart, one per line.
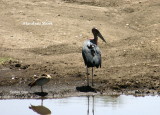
40 109
92 99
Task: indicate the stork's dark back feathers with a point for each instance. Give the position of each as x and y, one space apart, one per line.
91 54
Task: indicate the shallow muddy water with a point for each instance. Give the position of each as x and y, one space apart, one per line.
90 105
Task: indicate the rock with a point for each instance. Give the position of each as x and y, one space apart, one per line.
17 65
25 67
137 92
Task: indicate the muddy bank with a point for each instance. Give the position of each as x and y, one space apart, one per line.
16 76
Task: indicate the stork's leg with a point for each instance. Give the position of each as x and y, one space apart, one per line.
87 76
92 76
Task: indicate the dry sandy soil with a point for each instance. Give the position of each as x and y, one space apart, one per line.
46 36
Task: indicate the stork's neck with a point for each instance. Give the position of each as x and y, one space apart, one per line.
95 39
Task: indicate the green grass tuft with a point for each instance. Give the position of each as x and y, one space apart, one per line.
4 59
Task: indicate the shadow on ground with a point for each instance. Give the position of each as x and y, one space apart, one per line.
42 94
86 89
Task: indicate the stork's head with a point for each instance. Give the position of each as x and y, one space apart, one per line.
46 75
96 33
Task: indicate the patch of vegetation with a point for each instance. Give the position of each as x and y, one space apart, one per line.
4 59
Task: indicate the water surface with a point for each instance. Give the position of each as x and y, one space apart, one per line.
91 105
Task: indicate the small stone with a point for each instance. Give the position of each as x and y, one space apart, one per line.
137 92
17 65
25 66
147 92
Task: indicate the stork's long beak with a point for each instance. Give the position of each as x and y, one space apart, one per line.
100 35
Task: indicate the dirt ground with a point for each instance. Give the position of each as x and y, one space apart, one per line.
46 36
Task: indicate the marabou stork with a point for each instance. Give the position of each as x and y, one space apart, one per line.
91 52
